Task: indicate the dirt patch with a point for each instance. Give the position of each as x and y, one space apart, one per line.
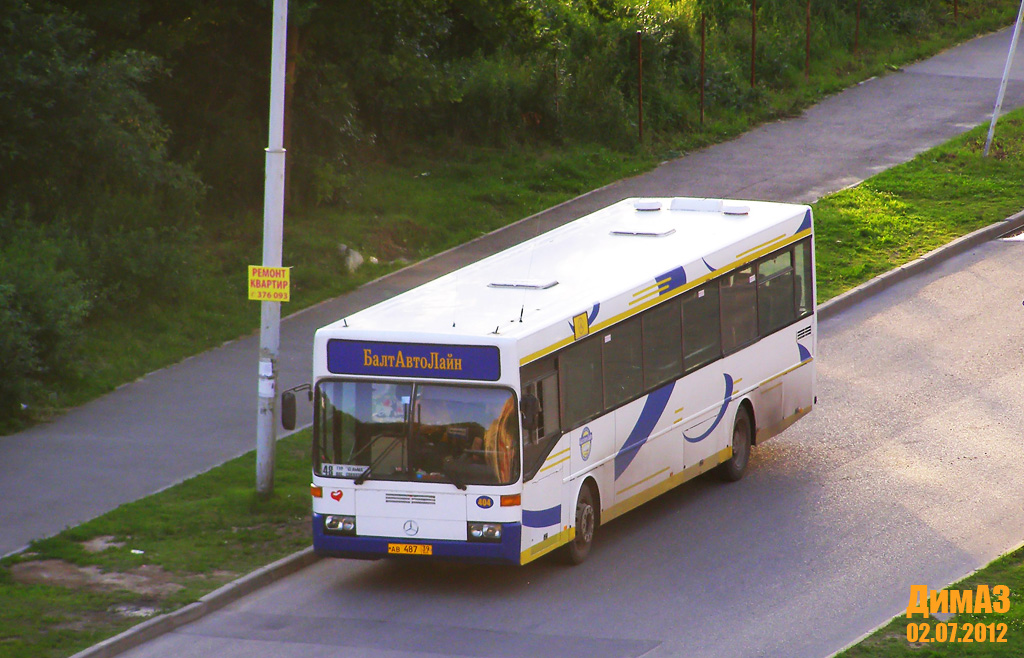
100 544
136 611
391 243
146 580
86 621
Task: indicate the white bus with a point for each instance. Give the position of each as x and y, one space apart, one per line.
514 406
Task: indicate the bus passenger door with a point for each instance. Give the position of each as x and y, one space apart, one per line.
542 509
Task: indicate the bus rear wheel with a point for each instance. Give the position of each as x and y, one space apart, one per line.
742 435
578 549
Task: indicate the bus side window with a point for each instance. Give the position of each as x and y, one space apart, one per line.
775 305
623 363
662 343
580 379
739 309
701 327
540 380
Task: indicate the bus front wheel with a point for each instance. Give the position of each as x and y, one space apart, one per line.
586 523
742 435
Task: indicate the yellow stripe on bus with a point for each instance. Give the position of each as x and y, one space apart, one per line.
560 461
649 477
668 483
762 246
548 545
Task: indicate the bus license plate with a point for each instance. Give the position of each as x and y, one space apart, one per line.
410 549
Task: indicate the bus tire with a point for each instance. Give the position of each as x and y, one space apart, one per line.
577 550
742 438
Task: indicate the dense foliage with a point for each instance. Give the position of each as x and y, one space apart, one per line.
93 213
120 121
369 79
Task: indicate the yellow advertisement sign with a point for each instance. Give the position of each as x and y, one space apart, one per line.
269 284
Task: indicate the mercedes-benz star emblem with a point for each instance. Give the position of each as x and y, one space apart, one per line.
411 528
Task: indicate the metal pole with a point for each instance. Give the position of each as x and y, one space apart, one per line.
640 81
273 226
703 38
1006 77
856 31
807 61
753 41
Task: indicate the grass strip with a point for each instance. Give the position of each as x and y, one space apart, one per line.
911 209
891 641
152 556
165 551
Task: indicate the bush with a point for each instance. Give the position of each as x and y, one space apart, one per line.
43 304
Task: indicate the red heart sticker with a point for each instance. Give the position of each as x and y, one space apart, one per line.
337 494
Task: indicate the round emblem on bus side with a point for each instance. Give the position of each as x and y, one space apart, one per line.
586 438
485 502
411 528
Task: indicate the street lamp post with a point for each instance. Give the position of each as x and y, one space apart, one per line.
1002 83
273 227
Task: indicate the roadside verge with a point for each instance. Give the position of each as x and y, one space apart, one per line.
215 600
855 295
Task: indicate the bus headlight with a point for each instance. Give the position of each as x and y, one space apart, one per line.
340 525
484 532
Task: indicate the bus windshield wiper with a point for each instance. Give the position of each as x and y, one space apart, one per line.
387 451
450 474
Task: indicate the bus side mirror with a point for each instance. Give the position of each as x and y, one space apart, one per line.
288 405
530 407
288 410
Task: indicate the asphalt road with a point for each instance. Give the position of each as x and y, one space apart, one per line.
908 473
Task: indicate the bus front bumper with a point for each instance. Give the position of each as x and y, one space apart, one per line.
507 551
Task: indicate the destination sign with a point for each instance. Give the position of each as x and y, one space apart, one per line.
361 357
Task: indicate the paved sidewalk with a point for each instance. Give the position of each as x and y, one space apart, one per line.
189 417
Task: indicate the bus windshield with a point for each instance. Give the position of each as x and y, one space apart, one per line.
381 430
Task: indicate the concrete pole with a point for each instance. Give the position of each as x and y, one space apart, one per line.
273 228
1006 77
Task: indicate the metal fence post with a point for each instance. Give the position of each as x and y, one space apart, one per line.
856 31
703 38
640 82
753 42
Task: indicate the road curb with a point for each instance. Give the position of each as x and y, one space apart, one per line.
215 600
876 285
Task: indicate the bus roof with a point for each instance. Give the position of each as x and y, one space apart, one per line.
635 244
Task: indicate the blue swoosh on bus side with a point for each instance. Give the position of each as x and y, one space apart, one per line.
721 412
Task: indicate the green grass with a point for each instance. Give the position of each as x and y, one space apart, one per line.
913 208
890 641
194 536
